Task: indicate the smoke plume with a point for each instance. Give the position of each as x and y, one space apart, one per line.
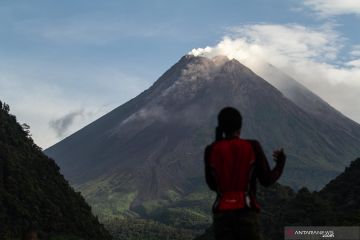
312 56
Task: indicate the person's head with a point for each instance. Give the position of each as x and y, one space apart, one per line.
229 123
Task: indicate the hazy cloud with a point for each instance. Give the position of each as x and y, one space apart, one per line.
280 43
148 113
93 31
334 7
62 125
355 52
47 92
310 55
354 63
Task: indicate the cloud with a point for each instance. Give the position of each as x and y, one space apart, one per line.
333 7
310 55
149 114
62 125
355 52
281 43
39 93
87 30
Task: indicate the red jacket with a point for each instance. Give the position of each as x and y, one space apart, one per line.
231 169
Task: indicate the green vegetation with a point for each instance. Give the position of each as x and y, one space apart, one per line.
112 205
33 193
135 229
337 204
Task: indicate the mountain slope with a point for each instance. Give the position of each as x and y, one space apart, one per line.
33 194
337 204
151 147
306 99
344 193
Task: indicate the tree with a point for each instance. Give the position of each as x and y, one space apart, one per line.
26 129
5 107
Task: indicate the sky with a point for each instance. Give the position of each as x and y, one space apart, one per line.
64 64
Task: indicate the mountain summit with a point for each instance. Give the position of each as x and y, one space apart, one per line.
152 146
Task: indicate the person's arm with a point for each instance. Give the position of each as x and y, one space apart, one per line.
265 175
209 172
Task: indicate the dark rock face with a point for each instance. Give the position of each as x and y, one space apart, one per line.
154 142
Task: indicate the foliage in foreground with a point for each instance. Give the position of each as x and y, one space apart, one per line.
337 204
145 229
33 193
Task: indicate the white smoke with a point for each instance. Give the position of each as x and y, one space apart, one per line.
62 124
310 55
148 113
193 77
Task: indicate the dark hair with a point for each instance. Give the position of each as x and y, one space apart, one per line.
229 121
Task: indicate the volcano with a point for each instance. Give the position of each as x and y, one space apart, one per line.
151 147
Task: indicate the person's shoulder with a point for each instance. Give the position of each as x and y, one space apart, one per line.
214 145
252 141
209 147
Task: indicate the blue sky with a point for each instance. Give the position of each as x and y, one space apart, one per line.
65 63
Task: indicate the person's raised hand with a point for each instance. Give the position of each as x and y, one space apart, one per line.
279 155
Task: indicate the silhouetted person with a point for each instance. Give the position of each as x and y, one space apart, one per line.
232 166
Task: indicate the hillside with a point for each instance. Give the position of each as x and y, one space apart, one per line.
337 204
33 193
